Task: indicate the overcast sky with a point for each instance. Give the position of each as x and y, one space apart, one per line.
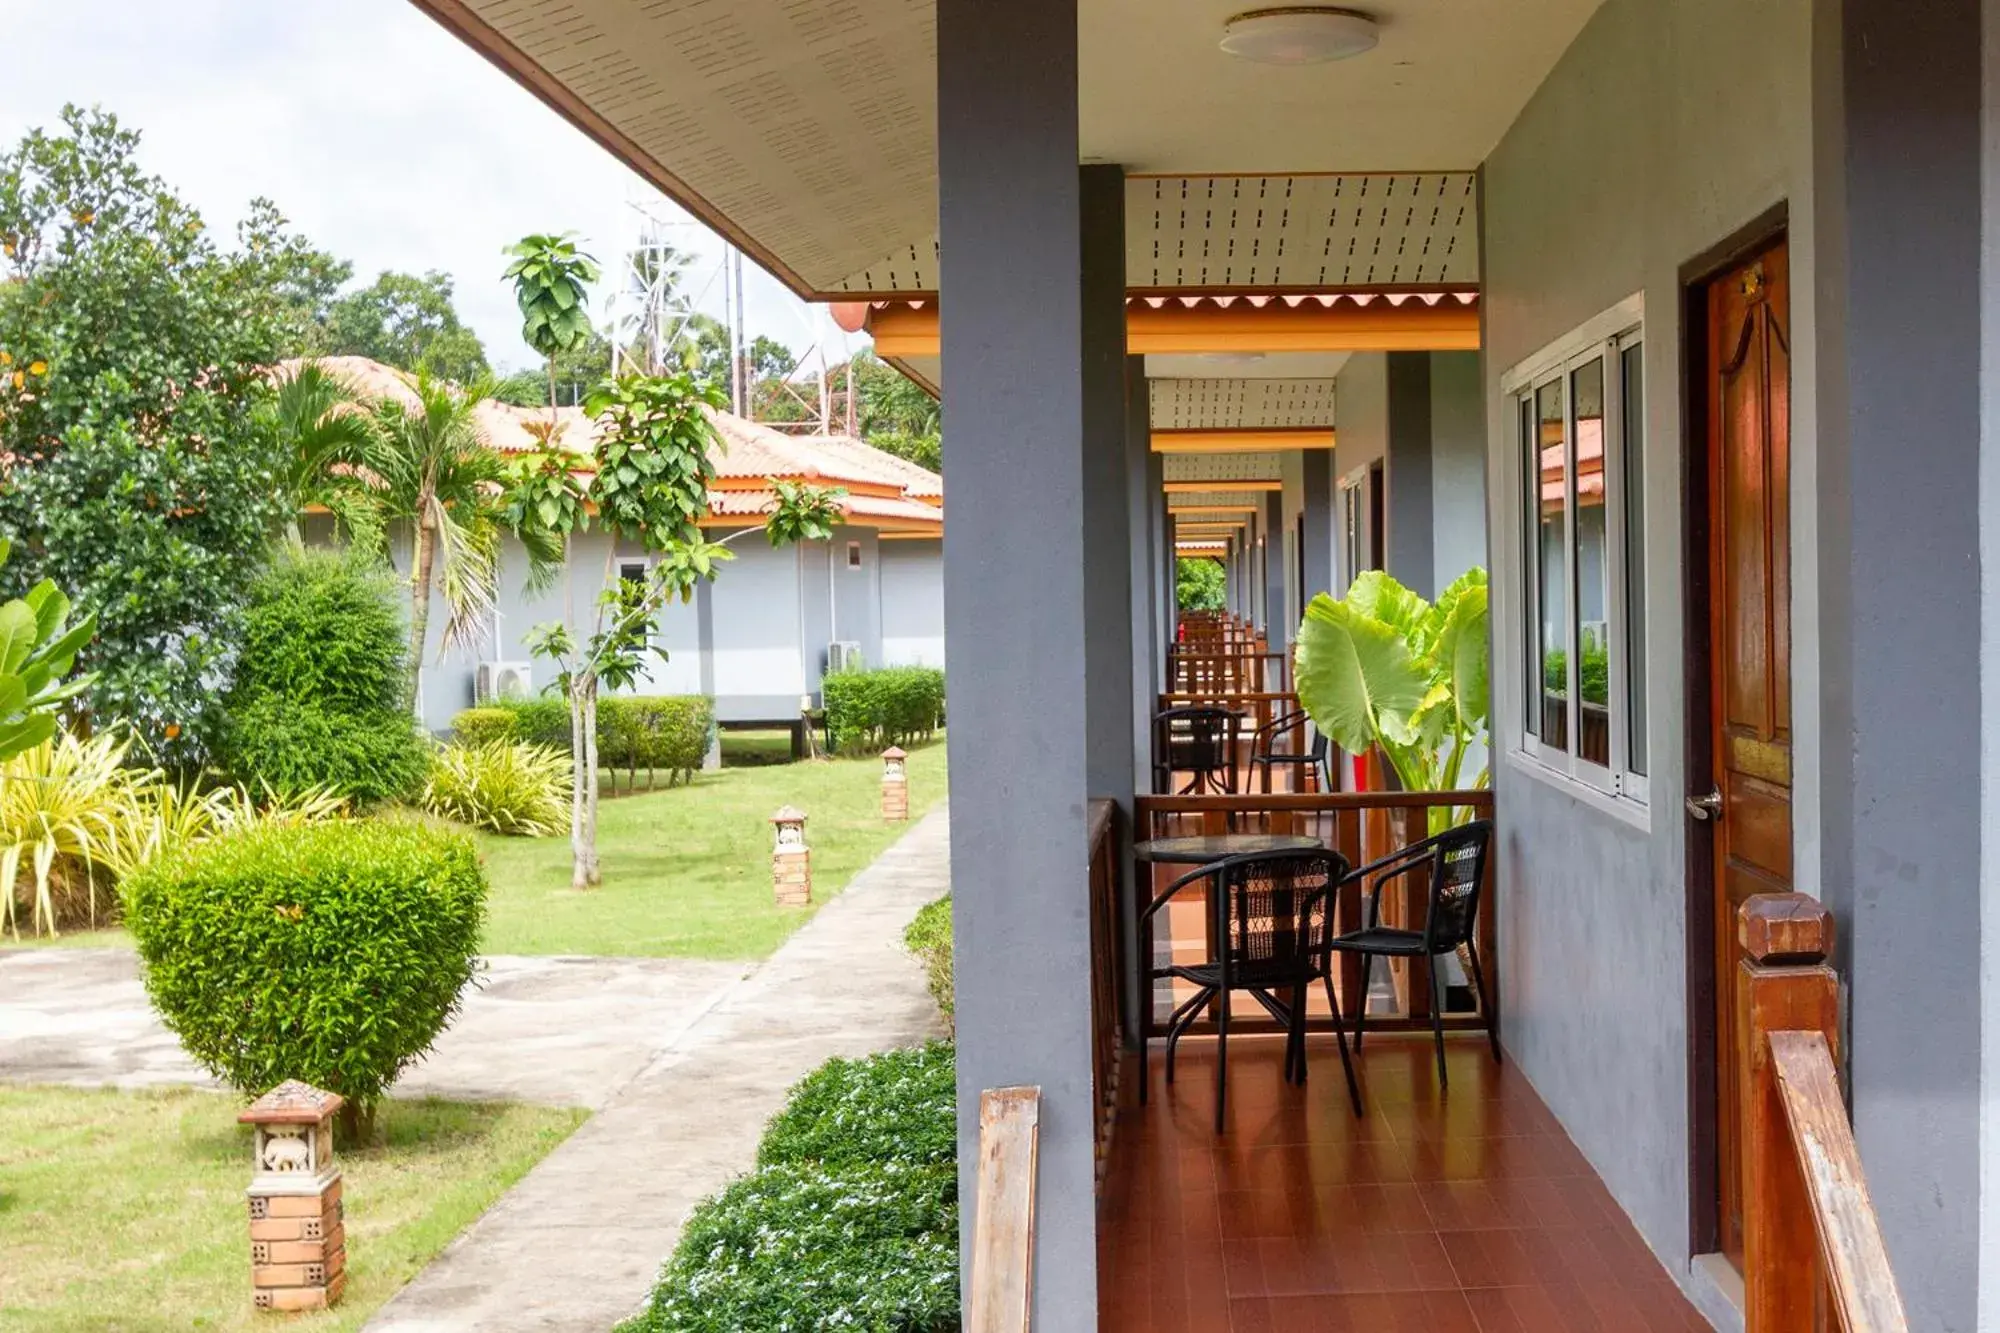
377 133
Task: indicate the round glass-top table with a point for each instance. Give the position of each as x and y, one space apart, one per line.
1202 849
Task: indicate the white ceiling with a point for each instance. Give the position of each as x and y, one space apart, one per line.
1246 404
1245 366
808 127
1447 79
1222 467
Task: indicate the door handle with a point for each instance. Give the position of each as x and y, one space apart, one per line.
1705 807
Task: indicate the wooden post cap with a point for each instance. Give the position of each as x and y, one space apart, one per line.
292 1103
1784 928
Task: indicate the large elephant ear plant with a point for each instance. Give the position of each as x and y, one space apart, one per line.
1384 668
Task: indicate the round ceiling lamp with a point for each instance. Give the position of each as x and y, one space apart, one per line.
1299 35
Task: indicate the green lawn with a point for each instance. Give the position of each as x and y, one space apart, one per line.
687 872
124 1210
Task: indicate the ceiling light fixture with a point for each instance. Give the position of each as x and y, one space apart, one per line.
1299 35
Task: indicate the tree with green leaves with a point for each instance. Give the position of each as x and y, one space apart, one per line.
1198 583
578 370
326 437
649 483
133 382
408 322
439 475
551 280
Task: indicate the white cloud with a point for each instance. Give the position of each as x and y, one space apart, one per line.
379 134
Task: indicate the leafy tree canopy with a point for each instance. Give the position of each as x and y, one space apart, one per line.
404 321
1198 584
141 470
578 371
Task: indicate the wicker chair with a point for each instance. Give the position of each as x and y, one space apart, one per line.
1455 860
1271 913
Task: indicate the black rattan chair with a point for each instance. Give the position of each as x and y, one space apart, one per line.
1276 745
1456 863
1270 914
1199 739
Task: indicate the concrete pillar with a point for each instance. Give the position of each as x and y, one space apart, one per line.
1409 548
1274 571
1023 380
1142 506
1318 511
1107 502
1897 274
1162 557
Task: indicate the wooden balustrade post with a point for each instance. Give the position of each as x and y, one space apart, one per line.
1783 985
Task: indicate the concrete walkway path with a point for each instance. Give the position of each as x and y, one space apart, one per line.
557 1031
576 1245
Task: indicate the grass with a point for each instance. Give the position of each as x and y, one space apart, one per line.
124 1210
687 872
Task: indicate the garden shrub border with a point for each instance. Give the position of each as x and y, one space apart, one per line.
869 710
849 1221
929 938
668 733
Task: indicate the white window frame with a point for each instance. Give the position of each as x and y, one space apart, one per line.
1607 338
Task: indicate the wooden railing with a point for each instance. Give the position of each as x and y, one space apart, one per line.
1813 1255
1107 969
1361 826
1002 1291
1197 668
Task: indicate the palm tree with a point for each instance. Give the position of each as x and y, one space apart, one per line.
327 438
438 473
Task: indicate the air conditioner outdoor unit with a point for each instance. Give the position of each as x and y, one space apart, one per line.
843 655
503 680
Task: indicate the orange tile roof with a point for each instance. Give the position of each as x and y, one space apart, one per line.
880 485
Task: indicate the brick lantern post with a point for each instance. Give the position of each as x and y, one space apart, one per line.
895 784
791 859
298 1243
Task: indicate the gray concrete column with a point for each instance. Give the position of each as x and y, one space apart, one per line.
1107 503
1012 226
1162 557
1143 508
1408 507
1274 571
1897 261
1318 511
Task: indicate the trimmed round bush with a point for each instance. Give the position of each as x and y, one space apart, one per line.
333 953
317 700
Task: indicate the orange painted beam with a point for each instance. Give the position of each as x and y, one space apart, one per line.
1222 487
1240 441
1450 325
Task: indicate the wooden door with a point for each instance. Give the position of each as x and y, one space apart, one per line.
1747 395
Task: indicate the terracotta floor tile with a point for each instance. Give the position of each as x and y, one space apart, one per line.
1300 1217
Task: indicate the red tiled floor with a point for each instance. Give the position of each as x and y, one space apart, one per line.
1442 1211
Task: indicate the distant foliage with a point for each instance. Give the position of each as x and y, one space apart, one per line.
666 733
1198 584
504 786
929 938
333 953
405 321
319 683
872 710
850 1221
133 351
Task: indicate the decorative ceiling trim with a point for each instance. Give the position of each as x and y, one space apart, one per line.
1240 441
1199 486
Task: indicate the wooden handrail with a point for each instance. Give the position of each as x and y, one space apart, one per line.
1809 1228
1003 1230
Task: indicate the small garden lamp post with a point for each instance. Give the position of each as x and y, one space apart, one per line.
791 859
895 784
298 1243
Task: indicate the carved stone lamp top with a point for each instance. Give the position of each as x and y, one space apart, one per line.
789 815
892 761
292 1103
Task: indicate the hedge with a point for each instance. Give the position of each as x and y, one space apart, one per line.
656 732
871 710
333 953
929 938
850 1220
